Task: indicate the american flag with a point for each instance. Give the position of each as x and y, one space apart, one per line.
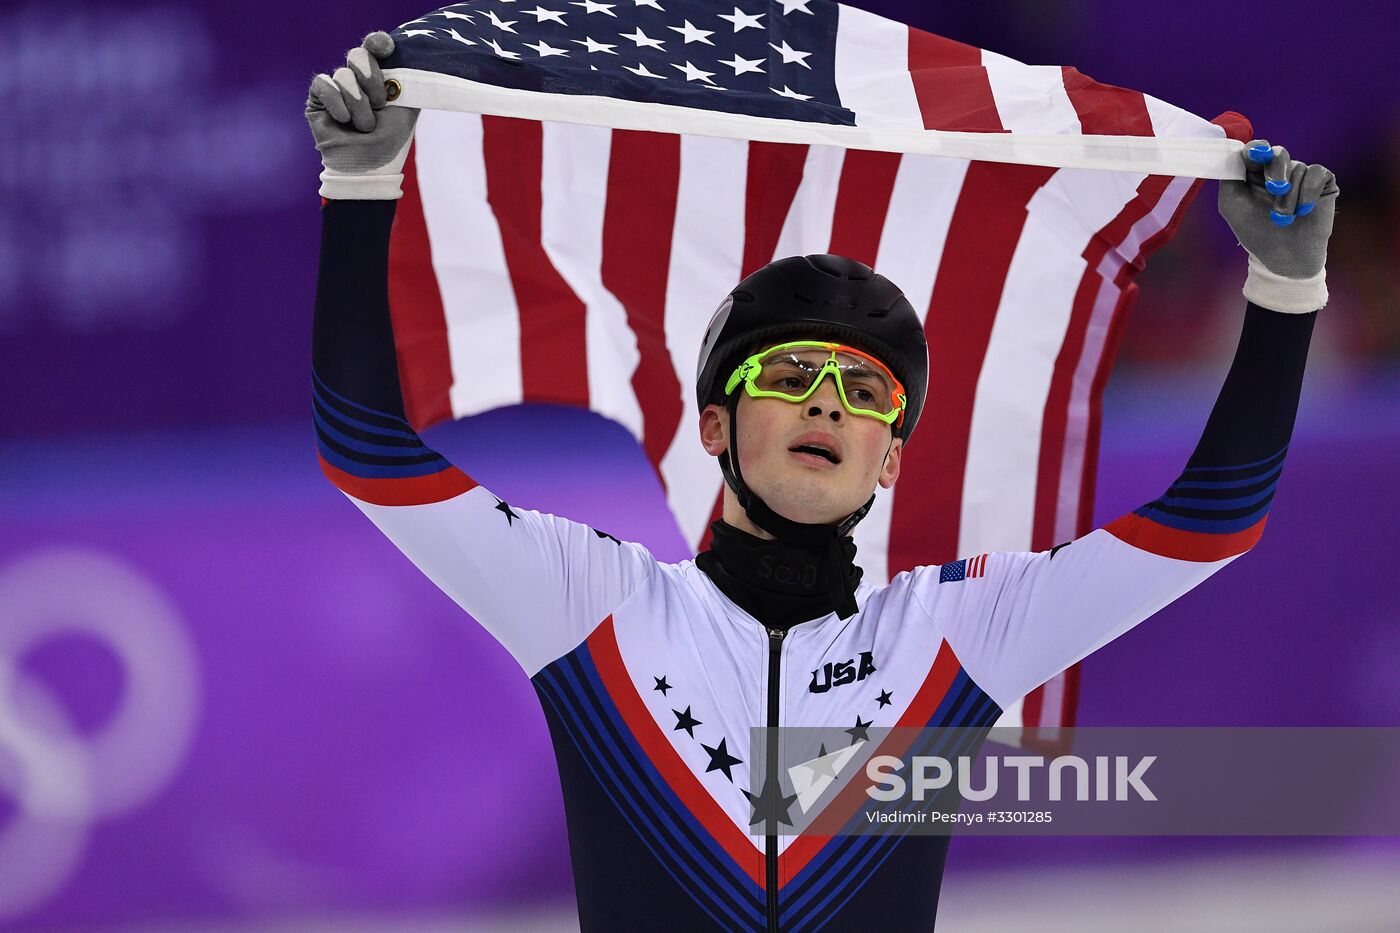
589 179
964 569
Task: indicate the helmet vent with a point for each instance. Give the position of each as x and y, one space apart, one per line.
840 267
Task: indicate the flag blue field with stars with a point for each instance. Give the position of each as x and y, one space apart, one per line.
770 60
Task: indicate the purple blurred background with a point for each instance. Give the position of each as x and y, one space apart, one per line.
266 717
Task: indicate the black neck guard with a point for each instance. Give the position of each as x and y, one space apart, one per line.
778 583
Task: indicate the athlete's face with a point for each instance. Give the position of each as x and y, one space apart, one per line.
799 483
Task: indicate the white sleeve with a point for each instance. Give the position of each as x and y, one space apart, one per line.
1016 619
539 583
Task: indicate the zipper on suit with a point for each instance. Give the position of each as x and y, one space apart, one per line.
770 841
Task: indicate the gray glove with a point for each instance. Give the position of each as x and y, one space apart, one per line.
1282 215
363 142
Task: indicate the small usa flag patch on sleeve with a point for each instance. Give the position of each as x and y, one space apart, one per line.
967 568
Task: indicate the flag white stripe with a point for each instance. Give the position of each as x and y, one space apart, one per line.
921 207
468 260
807 227
872 70
1003 450
1175 122
1152 224
573 200
926 191
1052 699
1030 98
1077 409
706 259
1077 416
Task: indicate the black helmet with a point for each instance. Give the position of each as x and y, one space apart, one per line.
825 297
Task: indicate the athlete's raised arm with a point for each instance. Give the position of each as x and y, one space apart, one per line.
539 583
1020 618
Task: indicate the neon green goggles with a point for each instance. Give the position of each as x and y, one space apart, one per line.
792 372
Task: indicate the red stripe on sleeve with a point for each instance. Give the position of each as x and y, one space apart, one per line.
602 646
643 177
417 490
553 326
415 307
1147 535
951 85
982 237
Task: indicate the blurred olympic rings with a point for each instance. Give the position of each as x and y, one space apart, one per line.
60 780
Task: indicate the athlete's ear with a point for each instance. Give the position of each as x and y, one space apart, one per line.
714 430
889 471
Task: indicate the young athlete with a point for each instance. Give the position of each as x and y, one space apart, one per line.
812 376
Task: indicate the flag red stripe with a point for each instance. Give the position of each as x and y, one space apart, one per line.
638 223
952 87
1127 297
862 200
415 307
1104 109
1056 414
1032 707
716 513
1236 126
774 172
553 348
982 237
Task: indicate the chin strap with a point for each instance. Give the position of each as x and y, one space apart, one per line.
817 537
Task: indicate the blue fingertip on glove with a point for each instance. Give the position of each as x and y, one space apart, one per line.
1281 220
1306 209
1264 154
1277 188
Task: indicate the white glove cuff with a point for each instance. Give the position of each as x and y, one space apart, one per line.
1280 293
338 187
